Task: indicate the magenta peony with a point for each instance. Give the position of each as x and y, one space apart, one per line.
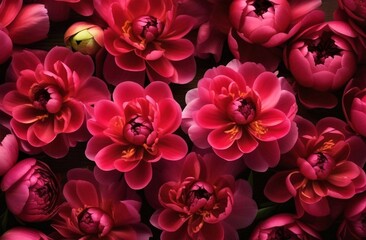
99 206
283 226
146 37
319 167
23 233
204 201
8 150
136 130
51 98
31 190
241 111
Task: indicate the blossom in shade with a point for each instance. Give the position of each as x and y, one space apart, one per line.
319 168
135 130
242 112
24 233
204 201
50 99
283 226
146 37
8 150
99 205
322 59
353 226
31 190
21 25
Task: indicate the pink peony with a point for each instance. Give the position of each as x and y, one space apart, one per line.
320 168
283 226
99 206
50 99
21 25
31 190
23 233
204 201
272 23
356 9
8 150
136 130
322 59
354 102
241 111
146 37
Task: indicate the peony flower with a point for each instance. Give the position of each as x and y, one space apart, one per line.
355 9
283 226
51 98
21 25
322 59
135 130
272 23
241 112
99 206
146 37
84 37
354 102
31 190
24 233
205 201
320 168
8 150
353 225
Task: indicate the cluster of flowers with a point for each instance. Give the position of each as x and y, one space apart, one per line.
269 142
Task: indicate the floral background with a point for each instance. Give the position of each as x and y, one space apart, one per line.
182 119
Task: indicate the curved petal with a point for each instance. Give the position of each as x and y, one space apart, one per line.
172 147
170 220
6 45
127 91
140 176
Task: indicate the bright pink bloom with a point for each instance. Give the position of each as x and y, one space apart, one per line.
23 233
146 37
283 226
272 23
8 150
354 224
322 59
320 168
241 111
31 190
21 25
356 9
135 130
99 205
205 201
50 99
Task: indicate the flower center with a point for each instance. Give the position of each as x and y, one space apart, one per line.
322 48
242 110
282 233
261 6
147 28
46 98
321 163
137 130
95 221
199 195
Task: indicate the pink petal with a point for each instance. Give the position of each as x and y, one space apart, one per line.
7 46
80 193
58 148
92 91
162 67
130 62
170 220
172 147
85 70
158 91
27 114
268 86
318 209
221 138
179 49
16 173
9 9
95 144
127 91
54 55
140 176
209 116
247 143
275 189
169 107
107 155
266 155
230 154
16 198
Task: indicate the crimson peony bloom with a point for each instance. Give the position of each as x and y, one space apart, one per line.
204 201
50 99
283 226
272 23
24 233
8 150
99 206
322 59
31 190
241 111
146 37
21 25
320 168
135 130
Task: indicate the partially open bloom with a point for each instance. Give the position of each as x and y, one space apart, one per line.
356 9
146 37
31 190
8 150
283 226
319 168
84 37
50 99
21 25
322 59
204 201
24 233
241 111
135 130
99 206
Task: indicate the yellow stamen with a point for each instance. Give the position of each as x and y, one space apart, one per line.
326 146
233 131
42 117
258 128
128 153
